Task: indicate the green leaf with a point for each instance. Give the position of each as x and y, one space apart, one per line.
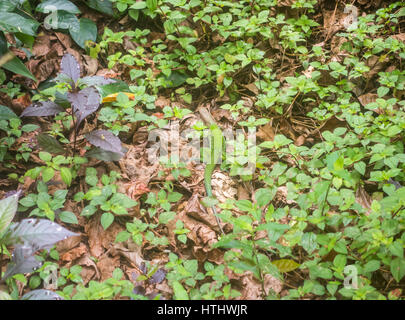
179 292
13 22
338 165
68 217
29 127
65 5
397 249
398 268
45 156
47 174
139 5
49 143
104 155
6 113
174 196
371 266
87 31
360 167
66 175
285 265
103 6
382 91
244 205
165 217
263 196
122 236
16 66
8 208
106 219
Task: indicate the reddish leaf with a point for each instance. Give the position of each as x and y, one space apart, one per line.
84 103
105 140
70 67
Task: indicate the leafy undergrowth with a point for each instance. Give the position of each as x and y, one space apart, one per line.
314 91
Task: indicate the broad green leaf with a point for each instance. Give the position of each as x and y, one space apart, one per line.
371 266
263 196
47 174
104 6
49 6
165 217
8 208
106 219
49 143
6 113
13 22
66 175
68 217
285 265
179 292
398 268
87 31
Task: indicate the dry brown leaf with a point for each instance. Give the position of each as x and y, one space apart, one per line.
90 65
367 98
68 244
364 199
42 45
87 274
107 265
266 132
132 253
96 234
65 39
87 262
74 253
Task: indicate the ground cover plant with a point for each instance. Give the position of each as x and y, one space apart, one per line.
111 112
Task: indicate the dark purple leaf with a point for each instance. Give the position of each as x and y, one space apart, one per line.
96 81
23 261
104 155
158 276
104 139
84 103
49 143
42 109
139 290
142 267
70 67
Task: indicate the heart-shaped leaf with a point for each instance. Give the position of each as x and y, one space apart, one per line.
42 109
70 67
105 140
84 103
87 31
